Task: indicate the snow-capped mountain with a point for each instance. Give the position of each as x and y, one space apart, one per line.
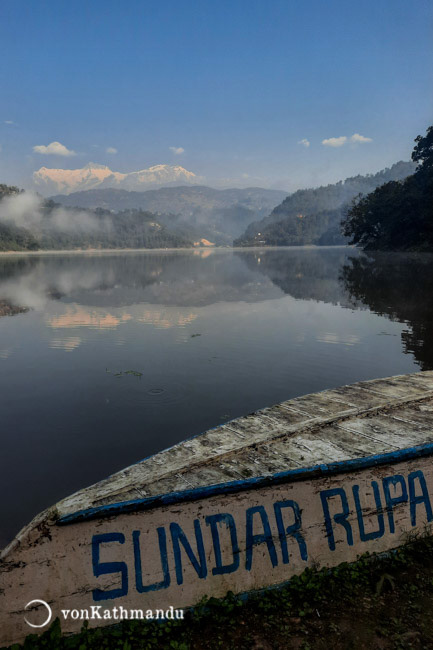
92 176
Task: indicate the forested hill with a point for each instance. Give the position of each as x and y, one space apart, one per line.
313 216
397 216
197 211
28 222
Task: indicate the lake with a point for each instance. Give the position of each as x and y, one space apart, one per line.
107 358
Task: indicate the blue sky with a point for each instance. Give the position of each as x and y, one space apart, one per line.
237 84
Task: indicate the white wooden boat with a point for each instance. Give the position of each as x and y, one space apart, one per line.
316 480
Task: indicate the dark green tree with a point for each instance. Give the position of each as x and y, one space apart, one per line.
397 215
423 151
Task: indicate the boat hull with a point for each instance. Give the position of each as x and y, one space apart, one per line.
172 551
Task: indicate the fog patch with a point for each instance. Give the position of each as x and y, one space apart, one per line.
28 210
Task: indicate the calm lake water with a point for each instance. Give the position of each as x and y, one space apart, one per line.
210 335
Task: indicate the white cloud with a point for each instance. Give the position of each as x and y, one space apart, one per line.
356 137
177 150
304 142
111 150
53 149
335 142
9 122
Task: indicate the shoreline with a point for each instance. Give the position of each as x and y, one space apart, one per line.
99 251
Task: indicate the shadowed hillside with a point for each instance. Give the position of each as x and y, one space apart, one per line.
313 216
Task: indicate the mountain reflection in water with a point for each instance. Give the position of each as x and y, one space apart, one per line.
107 358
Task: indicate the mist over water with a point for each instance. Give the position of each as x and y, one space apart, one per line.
210 335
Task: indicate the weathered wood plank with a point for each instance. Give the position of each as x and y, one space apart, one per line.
382 427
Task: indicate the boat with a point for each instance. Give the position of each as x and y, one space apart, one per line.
310 482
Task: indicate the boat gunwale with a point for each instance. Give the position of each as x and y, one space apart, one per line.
253 483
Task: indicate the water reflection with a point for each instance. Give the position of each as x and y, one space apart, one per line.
164 290
304 273
400 287
181 279
175 278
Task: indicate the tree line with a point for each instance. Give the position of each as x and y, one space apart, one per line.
313 216
398 215
82 229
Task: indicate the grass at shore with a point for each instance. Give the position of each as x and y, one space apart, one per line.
378 602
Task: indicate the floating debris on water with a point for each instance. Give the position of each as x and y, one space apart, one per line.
136 373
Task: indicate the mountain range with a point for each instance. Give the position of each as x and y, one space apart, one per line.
181 215
48 181
195 211
251 216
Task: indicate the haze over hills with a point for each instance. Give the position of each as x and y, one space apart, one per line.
182 215
196 211
47 181
29 222
313 216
